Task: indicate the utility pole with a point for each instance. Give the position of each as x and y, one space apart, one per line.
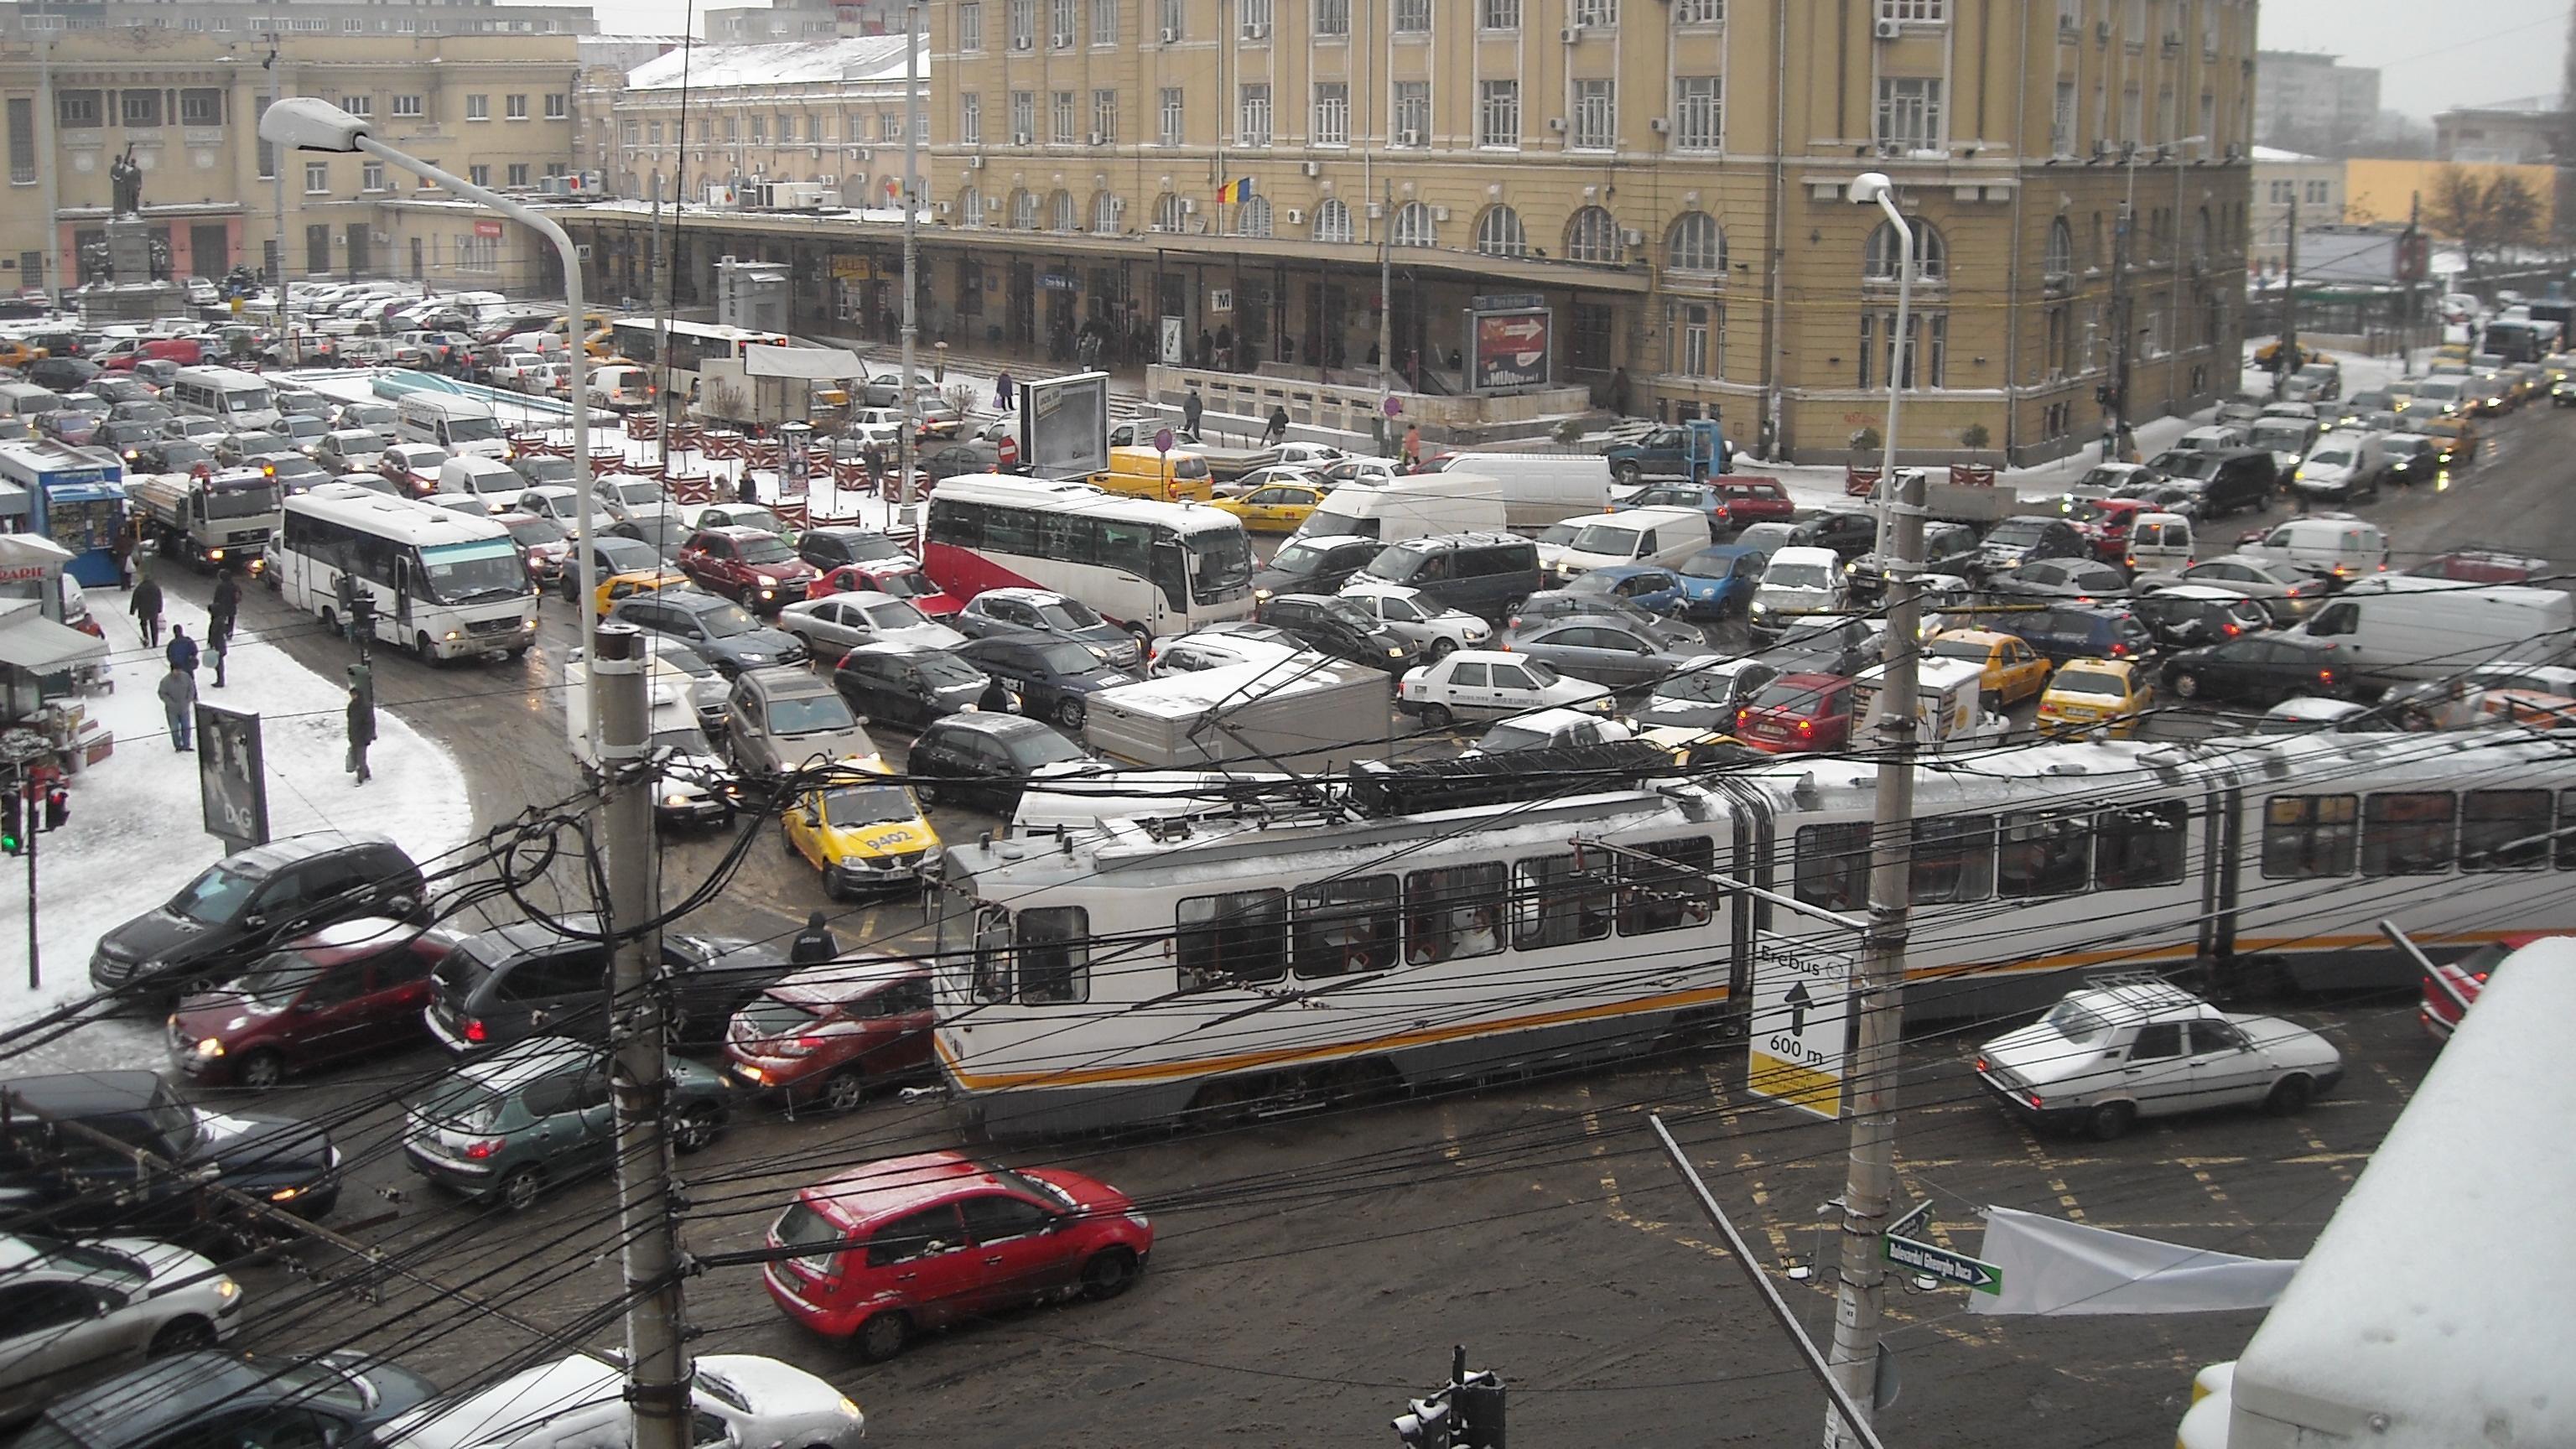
904 443
2415 284
2115 395
1385 320
2289 344
656 1355
277 194
661 288
51 272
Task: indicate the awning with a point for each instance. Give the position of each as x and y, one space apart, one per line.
13 499
817 364
41 646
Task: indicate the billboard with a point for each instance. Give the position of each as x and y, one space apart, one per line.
232 776
1508 349
1064 426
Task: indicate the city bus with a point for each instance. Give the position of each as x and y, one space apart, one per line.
1154 568
446 585
693 344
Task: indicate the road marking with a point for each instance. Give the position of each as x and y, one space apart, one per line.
1449 1148
2048 1172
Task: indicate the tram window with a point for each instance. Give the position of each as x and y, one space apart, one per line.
2044 853
2140 845
1833 866
2406 833
1346 926
1055 955
1561 899
2566 821
993 954
1453 913
1231 939
2308 835
1667 897
2504 830
1954 859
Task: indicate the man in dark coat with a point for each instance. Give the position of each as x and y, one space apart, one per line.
146 606
362 727
814 944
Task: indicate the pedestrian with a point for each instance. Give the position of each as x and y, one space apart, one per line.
743 492
125 558
996 698
219 642
1619 391
225 607
178 704
362 726
146 607
814 944
182 652
1277 433
1005 396
1193 408
1413 447
874 456
1207 350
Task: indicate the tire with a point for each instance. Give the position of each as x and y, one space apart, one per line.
883 1336
1442 649
1108 1273
2110 1121
2186 685
181 1335
926 791
1068 713
844 1090
1437 716
261 1070
330 620
2289 1096
695 1128
424 650
1628 474
521 1189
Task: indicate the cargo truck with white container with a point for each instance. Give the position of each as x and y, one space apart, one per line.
210 519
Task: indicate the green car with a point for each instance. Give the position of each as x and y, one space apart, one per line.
506 1127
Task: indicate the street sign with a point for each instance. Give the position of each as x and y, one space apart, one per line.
1163 440
1943 1264
1914 1219
1801 1025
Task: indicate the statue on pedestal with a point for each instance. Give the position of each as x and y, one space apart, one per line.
127 180
160 259
97 264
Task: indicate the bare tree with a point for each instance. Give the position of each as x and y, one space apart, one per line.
2486 215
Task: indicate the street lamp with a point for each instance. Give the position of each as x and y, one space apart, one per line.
1873 188
306 123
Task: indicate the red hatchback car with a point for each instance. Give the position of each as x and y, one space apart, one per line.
891 1249
901 578
1797 713
344 991
751 566
830 1031
1755 500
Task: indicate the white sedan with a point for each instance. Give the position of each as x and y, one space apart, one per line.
1416 618
1550 729
1491 682
2134 1046
838 623
73 1312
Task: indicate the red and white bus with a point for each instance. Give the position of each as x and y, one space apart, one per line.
1155 568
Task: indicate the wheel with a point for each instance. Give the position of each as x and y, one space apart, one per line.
424 649
1110 1272
2186 685
696 1126
883 1336
844 1090
1068 713
262 1070
182 1335
519 1190
1437 716
2110 1120
1628 474
926 791
2289 1095
330 621
1442 649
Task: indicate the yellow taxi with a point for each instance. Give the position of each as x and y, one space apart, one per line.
1274 507
1147 473
2106 694
2013 671
2458 437
862 830
14 353
627 585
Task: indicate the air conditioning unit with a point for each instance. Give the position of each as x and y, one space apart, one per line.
1189 206
1095 138
1314 169
1020 138
1024 42
1376 209
1296 217
1256 32
1408 138
1570 34
1633 237
1439 213
943 208
974 163
2068 25
1170 35
581 250
1556 123
2173 40
2101 32
1659 126
815 152
1888 29
992 203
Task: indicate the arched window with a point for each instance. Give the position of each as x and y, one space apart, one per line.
2061 249
1414 227
1061 215
1105 213
1333 220
1695 244
1499 233
1168 214
1252 218
970 207
1931 255
1593 236
1024 209
2208 235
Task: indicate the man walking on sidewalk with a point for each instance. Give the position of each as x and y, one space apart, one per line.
146 607
362 726
179 704
182 652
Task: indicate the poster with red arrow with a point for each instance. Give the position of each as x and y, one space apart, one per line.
1508 349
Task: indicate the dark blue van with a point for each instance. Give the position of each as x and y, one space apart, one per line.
2077 631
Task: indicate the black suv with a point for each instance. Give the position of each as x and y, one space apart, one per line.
906 686
527 980
829 548
2063 632
216 1400
986 759
242 907
1314 565
1339 629
1948 548
2026 536
2230 480
1848 532
1052 675
57 1180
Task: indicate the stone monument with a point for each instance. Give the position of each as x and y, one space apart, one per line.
129 273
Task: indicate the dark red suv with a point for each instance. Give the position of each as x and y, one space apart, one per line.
348 990
754 568
1755 500
831 1031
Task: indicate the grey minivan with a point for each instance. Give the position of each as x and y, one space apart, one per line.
777 720
1482 573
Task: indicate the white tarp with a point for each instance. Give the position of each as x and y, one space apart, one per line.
817 364
2054 1267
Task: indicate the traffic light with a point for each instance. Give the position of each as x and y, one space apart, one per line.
58 807
1426 1424
1478 1400
9 822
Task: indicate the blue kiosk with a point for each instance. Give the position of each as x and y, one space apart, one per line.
76 497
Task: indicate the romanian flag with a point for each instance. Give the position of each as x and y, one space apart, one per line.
1234 191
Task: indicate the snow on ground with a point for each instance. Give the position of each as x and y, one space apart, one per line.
135 837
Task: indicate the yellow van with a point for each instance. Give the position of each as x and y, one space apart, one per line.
1145 473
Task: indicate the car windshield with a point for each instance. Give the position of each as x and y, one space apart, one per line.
894 616
768 548
1559 533
2203 465
624 556
2090 681
215 896
1699 686
1324 524
472 430
2009 534
1068 614
2331 457
1505 737
1304 558
242 502
869 547
306 427
1796 696
359 440
1958 649
246 400
904 584
848 806
1042 747
545 470
532 530
1605 538
465 573
2080 510
760 518
277 981
726 621
637 490
1067 658
1796 576
801 1226
1540 673
684 659
1221 561
1349 613
2077 1022
809 714
462 1104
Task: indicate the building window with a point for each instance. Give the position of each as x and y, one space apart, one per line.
558 106
1919 12
1064 21
1332 113
1061 213
371 176
970 207
1170 212
478 108
1024 209
1252 116
1412 113
970 26
1024 117
1596 14
2284 192
1499 233
1593 236
1699 12
1588 346
1414 227
407 108
78 110
317 178
1909 113
2061 121
1024 24
970 120
1695 245
201 107
1498 14
1256 19
1695 339
759 125
2132 115
1104 22
1175 14
479 175
1498 114
1104 117
518 173
1697 114
1412 17
1926 352
1061 113
1252 218
22 150
1333 18
1333 220
653 133
1105 211
1596 114
2315 193
1167 117
2059 264
1931 254
139 109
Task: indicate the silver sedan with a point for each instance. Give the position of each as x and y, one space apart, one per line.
835 625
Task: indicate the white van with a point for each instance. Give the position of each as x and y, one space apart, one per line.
1797 582
1537 489
1664 536
619 387
2335 543
25 400
2159 543
461 425
2400 627
239 400
1415 506
489 479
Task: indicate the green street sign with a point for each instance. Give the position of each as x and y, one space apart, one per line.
1943 1264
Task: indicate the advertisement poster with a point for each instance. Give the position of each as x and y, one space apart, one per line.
232 776
1507 350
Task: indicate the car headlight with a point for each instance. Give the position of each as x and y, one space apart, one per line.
850 1408
227 1290
1259 594
1098 652
1394 653
1761 608
765 581
210 1047
286 1194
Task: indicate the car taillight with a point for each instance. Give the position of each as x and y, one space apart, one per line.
803 1046
1981 1064
477 1151
2119 649
1806 726
475 1030
2235 629
2033 1099
2325 676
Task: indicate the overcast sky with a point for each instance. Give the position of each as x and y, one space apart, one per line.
2433 54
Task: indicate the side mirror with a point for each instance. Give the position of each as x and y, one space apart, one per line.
254 922
539 1017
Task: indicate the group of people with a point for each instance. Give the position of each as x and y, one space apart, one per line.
178 688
